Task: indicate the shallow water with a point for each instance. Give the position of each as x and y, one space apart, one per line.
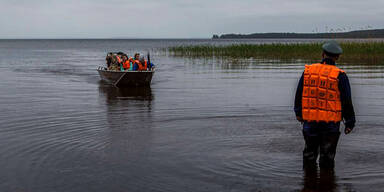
204 125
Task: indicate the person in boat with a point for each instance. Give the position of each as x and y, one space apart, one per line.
146 65
136 62
109 59
143 64
116 62
140 64
323 99
127 63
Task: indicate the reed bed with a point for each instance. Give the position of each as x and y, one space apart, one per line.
361 52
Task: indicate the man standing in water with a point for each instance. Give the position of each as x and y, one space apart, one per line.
323 99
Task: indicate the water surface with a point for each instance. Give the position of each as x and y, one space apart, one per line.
206 124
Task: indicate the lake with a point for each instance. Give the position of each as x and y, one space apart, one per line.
205 124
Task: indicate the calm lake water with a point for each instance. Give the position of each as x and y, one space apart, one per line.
204 125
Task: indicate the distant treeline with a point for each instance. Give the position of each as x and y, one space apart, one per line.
374 33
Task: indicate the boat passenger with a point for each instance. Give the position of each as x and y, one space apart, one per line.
143 64
109 59
116 62
148 66
123 59
136 62
127 63
136 65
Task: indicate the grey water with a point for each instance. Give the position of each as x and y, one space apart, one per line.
205 124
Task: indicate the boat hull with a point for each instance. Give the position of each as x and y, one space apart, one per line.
126 78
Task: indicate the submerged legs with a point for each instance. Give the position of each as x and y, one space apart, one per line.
327 143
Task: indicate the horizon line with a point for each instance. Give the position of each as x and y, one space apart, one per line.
100 38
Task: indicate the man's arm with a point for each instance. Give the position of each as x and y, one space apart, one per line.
347 110
298 98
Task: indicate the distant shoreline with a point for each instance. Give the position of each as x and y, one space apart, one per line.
359 34
106 39
175 39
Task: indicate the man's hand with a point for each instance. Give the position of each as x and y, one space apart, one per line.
347 130
299 118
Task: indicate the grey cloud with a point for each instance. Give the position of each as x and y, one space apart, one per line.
178 19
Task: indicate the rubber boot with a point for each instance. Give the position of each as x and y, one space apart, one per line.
328 146
311 151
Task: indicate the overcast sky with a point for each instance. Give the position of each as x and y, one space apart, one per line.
181 19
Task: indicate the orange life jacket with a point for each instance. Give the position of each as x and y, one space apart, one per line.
126 64
138 64
145 66
142 66
321 95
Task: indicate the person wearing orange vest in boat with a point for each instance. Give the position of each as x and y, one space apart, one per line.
143 64
323 99
131 62
126 66
139 64
136 62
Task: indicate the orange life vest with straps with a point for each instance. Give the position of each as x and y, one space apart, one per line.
321 95
142 66
145 65
126 64
138 64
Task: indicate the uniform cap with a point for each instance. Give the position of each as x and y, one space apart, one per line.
332 47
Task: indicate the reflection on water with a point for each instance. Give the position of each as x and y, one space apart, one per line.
127 106
113 93
323 180
127 154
